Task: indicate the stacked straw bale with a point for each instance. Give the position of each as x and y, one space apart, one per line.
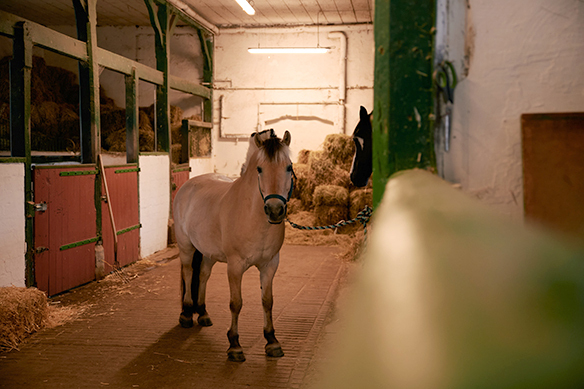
324 191
23 311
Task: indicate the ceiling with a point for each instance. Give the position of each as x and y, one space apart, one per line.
220 13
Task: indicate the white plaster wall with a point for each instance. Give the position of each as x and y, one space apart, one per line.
526 56
154 190
200 166
258 91
12 233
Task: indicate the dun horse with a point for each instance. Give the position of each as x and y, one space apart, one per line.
220 220
362 160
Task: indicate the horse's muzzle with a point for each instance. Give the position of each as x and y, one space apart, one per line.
275 209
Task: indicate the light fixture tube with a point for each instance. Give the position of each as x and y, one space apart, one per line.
246 7
288 50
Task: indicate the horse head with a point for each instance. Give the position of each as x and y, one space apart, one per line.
362 160
275 173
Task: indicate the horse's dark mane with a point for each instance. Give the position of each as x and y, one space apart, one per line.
272 147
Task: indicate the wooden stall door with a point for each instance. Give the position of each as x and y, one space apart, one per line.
123 189
65 234
553 170
180 175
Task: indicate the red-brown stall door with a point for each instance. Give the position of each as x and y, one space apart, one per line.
122 183
65 234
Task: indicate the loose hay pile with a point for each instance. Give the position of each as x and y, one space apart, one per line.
22 312
324 195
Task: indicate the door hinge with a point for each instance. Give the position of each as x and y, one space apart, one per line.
38 207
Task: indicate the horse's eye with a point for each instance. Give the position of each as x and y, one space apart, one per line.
289 168
259 169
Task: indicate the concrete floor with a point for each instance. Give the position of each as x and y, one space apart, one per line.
128 334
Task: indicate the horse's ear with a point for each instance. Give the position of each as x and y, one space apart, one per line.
363 113
257 140
287 138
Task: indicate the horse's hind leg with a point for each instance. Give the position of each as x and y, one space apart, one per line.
267 272
204 274
190 259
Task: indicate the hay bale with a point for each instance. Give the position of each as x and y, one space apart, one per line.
294 206
358 199
303 156
339 149
330 204
22 312
308 238
201 145
301 172
176 150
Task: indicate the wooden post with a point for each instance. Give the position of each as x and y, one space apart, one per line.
207 50
86 20
403 97
132 118
20 131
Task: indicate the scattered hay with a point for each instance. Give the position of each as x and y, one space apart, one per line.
201 142
352 247
23 311
294 206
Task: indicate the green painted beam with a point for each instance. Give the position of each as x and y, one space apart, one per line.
132 118
20 131
45 37
206 42
403 97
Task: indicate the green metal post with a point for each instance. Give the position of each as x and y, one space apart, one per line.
20 136
132 118
403 98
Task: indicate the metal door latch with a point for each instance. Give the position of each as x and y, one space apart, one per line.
40 207
41 249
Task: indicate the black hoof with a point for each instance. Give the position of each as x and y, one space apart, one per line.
235 356
274 350
205 321
185 322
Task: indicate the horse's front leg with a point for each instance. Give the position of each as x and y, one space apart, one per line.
234 273
267 272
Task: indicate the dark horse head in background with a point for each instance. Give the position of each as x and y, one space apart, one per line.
362 161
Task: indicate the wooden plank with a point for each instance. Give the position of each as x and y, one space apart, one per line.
553 170
45 37
403 100
132 118
123 190
20 130
182 85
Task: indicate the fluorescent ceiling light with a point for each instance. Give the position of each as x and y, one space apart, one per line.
246 7
288 50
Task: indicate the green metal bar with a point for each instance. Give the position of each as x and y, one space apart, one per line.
132 118
185 142
120 232
127 170
403 98
77 244
78 173
20 132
